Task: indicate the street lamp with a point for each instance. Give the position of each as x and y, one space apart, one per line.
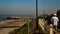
36 30
36 14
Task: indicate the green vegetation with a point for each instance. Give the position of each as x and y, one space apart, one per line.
23 29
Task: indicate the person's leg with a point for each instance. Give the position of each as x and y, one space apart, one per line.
56 26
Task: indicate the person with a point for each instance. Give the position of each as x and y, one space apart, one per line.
54 21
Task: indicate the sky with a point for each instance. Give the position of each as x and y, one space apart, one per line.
49 6
27 7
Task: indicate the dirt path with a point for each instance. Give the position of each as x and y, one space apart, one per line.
6 30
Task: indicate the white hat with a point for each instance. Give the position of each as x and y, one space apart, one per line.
54 14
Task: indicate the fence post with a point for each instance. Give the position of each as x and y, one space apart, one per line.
51 29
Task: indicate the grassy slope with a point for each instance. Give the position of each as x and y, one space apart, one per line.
23 30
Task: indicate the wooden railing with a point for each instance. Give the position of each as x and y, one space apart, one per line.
41 24
44 26
47 29
53 31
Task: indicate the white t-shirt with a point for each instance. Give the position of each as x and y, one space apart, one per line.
54 20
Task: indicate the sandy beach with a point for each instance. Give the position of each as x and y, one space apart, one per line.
13 23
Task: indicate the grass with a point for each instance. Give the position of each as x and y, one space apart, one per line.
23 30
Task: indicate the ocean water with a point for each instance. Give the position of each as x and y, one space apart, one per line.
3 22
17 15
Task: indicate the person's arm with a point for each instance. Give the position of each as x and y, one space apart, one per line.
51 21
57 22
57 19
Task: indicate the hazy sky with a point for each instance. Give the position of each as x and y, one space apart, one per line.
50 6
27 7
